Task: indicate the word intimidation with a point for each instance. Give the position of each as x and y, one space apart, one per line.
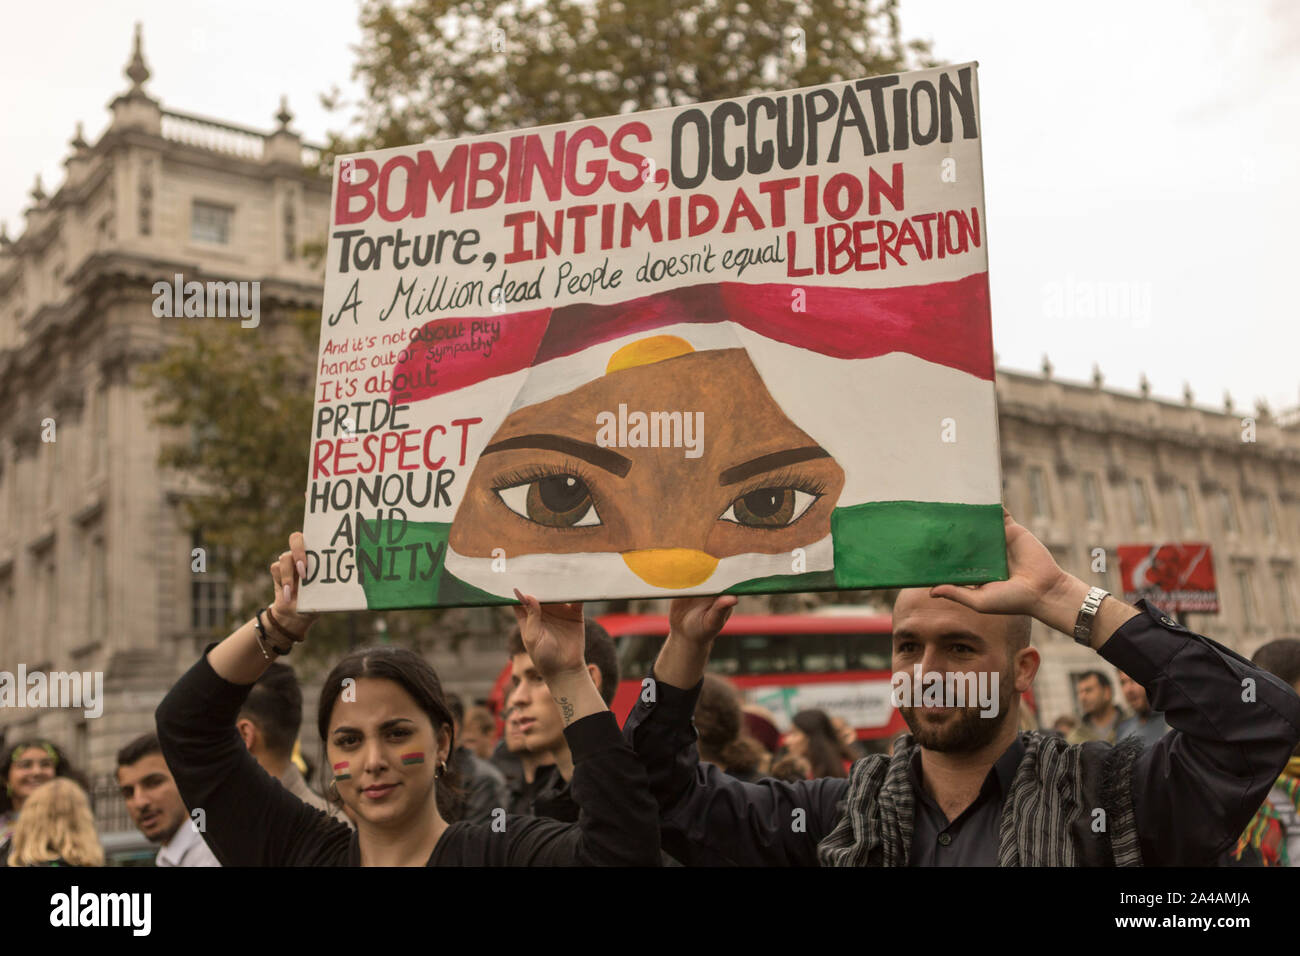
724 141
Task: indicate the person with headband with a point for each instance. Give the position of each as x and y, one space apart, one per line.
386 733
25 766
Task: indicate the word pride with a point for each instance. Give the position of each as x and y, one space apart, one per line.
653 430
936 689
198 300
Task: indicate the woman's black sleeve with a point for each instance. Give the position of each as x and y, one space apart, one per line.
248 818
618 822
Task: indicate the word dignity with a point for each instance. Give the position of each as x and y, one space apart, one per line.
936 689
56 689
653 430
199 300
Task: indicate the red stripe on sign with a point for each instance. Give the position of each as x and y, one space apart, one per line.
947 323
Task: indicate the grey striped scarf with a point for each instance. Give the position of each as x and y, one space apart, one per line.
1048 818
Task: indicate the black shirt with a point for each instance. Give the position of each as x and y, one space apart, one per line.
253 821
971 839
1194 790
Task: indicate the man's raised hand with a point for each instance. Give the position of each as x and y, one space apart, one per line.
700 619
553 635
1033 574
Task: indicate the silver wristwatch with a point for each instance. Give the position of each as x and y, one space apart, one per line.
1083 623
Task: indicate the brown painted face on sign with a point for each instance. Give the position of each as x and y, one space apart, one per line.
672 462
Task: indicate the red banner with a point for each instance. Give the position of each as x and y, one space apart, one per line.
1173 577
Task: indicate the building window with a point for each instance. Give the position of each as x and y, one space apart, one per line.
211 223
290 231
1264 515
146 198
1040 506
50 618
105 229
97 611
1283 578
1096 509
209 591
1186 513
1141 503
48 468
98 458
1247 590
1227 511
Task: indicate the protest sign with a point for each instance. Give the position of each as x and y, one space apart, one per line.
1173 577
742 346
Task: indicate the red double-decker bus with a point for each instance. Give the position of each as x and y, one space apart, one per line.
786 663
835 659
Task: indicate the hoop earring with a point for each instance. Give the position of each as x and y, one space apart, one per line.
332 790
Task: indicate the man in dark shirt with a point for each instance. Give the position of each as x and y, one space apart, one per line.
541 724
481 786
1145 722
1101 717
526 772
966 788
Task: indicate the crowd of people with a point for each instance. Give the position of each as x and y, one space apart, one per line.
1196 771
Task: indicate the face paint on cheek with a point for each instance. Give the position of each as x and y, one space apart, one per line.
415 757
341 771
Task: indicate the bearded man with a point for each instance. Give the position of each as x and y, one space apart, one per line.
966 788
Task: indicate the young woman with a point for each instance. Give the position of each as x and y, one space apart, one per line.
386 733
56 829
814 739
24 767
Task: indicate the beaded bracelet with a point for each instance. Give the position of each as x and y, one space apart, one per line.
263 640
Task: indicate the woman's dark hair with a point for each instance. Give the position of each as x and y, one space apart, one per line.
720 724
417 677
825 752
62 768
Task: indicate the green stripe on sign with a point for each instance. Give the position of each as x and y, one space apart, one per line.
898 544
386 574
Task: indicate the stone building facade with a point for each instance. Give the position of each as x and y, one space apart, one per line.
1087 468
95 570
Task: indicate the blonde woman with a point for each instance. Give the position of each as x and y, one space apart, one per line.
56 828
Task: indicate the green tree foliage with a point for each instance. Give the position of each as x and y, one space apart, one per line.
446 68
239 403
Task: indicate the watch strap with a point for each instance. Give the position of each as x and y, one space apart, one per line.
1087 614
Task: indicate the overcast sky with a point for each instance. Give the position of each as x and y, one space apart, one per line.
1140 156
